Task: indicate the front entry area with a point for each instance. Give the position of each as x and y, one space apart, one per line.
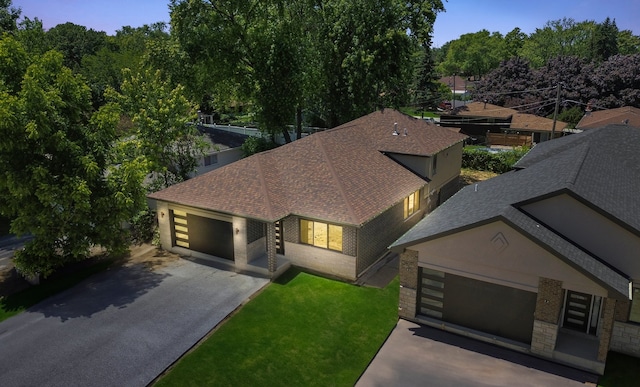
581 312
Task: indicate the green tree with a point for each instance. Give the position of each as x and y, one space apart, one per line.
74 42
32 36
57 184
161 132
604 42
564 37
628 43
474 54
8 16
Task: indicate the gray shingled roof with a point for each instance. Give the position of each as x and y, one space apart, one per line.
601 166
339 175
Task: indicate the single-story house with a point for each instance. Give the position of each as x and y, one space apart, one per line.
498 125
331 202
224 147
542 259
627 115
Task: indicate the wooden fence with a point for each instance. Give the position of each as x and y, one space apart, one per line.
509 139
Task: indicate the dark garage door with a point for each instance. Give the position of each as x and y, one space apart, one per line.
495 309
205 235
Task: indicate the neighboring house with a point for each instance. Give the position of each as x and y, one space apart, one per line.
502 126
542 259
627 115
224 148
331 202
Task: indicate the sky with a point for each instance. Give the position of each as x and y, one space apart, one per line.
461 16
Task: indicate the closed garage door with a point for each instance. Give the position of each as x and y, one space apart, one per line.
499 310
205 235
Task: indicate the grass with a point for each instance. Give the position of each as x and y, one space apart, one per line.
620 371
18 302
301 330
417 112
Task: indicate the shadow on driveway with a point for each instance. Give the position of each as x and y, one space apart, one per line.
119 288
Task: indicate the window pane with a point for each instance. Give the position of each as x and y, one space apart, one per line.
320 234
416 203
306 232
335 237
634 314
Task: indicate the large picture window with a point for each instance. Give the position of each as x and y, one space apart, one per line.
411 204
319 234
634 313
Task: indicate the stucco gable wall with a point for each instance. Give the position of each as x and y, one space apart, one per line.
590 230
499 254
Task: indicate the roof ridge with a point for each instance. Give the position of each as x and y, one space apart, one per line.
337 180
582 157
263 183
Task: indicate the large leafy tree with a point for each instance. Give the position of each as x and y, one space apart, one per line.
74 42
161 134
475 54
8 16
339 58
57 182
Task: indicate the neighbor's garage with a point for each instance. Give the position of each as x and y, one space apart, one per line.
201 234
499 310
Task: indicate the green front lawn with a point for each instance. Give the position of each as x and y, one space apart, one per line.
620 371
301 330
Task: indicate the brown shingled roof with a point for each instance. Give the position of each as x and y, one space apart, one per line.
340 175
601 118
519 121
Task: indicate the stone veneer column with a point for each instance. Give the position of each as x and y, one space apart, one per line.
606 328
546 316
272 259
408 284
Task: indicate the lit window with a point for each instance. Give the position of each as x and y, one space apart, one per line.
411 204
327 236
634 313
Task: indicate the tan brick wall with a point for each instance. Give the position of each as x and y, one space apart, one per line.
625 337
549 301
606 330
408 272
543 340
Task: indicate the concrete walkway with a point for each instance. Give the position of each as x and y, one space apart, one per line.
415 355
121 327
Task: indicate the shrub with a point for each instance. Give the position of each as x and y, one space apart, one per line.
482 160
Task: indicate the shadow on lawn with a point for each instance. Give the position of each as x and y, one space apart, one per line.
505 354
115 287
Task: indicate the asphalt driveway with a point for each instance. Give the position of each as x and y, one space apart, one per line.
121 327
416 355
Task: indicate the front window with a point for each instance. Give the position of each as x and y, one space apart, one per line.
634 313
411 204
319 234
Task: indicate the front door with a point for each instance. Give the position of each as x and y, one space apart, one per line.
577 311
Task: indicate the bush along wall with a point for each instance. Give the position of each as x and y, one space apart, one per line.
481 159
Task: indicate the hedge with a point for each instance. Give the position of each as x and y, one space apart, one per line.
482 160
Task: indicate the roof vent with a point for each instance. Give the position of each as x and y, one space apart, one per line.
405 131
395 129
626 122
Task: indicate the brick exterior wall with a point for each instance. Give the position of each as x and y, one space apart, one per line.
272 263
377 234
255 230
606 328
549 301
622 310
543 340
625 337
408 272
291 230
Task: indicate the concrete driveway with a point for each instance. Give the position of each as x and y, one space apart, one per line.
415 355
121 327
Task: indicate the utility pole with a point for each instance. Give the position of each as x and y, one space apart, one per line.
555 112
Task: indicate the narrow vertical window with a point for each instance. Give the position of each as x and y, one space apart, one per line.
411 204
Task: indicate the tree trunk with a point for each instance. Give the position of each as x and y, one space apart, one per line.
285 133
298 123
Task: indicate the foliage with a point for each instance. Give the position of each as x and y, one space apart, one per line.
74 42
162 135
481 160
253 145
339 59
143 226
620 371
474 54
322 332
8 16
57 182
